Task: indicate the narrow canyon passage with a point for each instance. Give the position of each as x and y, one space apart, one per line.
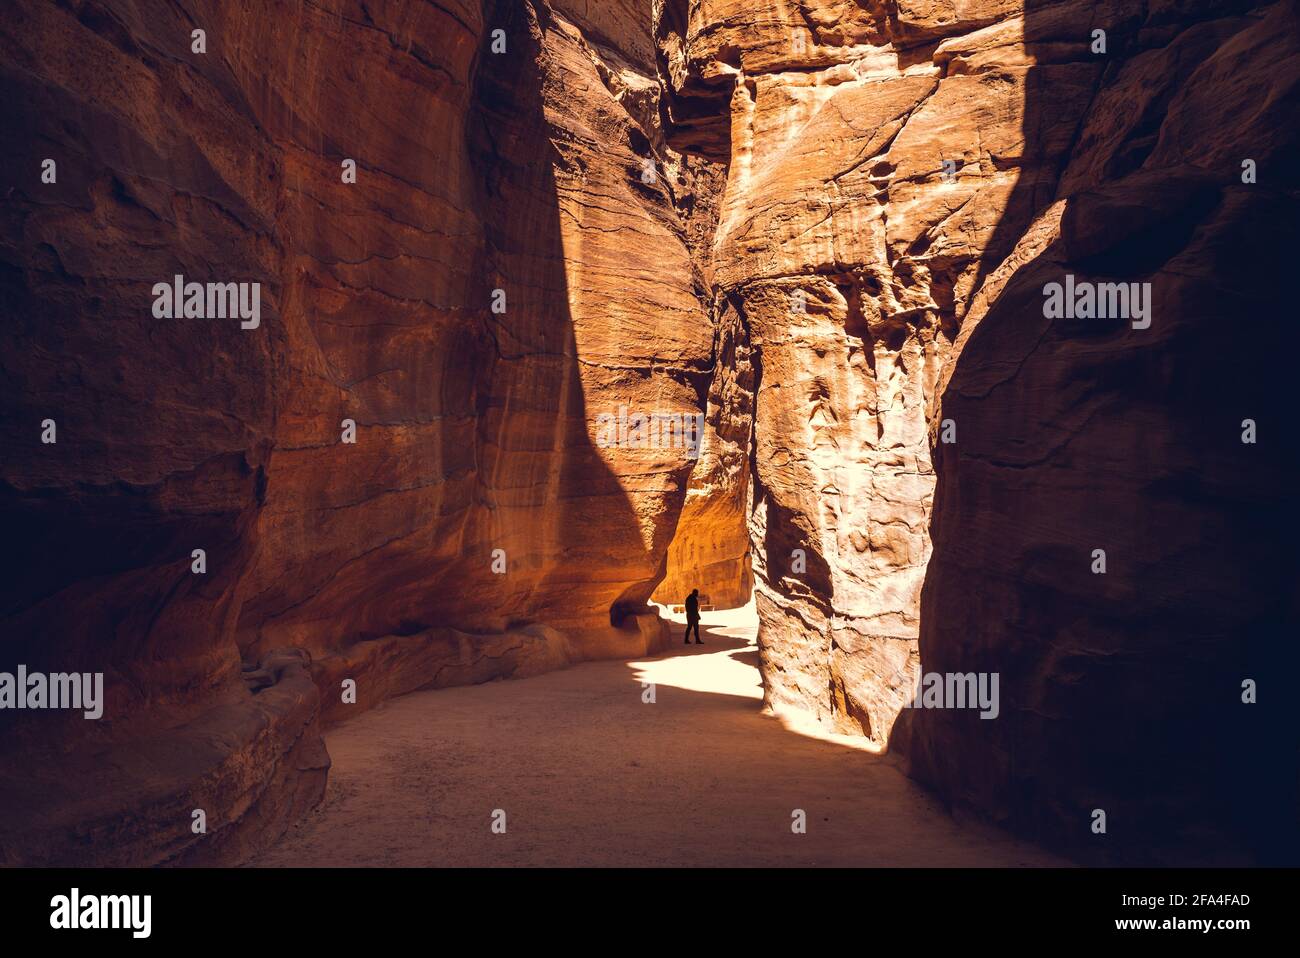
351 349
588 773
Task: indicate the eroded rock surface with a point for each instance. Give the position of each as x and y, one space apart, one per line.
850 251
914 460
904 180
477 528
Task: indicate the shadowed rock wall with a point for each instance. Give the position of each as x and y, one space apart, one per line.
935 460
478 527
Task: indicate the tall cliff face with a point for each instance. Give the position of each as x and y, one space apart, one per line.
935 459
401 476
1084 441
850 259
478 450
460 443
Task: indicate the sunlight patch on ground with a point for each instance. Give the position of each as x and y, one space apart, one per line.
731 670
722 671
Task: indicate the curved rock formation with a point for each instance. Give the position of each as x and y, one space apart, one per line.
905 180
1124 690
471 243
567 304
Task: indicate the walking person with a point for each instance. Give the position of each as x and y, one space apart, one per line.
693 617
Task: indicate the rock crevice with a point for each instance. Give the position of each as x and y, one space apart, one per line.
934 461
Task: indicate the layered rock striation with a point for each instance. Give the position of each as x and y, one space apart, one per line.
470 241
936 459
566 306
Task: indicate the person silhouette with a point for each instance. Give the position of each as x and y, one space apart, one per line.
693 617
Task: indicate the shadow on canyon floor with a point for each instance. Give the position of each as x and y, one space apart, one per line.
588 772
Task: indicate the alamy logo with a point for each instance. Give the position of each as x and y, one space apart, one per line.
1087 300
957 690
179 299
74 911
641 430
58 690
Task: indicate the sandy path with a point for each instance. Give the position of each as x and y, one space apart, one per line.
588 774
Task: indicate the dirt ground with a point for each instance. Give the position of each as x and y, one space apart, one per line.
587 773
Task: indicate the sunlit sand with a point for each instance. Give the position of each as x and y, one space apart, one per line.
654 762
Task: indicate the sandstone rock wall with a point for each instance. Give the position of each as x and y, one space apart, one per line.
1124 691
915 461
710 550
904 179
538 171
851 257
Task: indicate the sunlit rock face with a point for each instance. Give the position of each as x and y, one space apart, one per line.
710 550
904 180
481 525
850 251
479 430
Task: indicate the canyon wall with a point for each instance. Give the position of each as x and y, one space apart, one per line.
1129 688
935 460
848 257
710 550
471 242
496 241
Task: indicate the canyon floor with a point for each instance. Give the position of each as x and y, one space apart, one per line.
588 773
